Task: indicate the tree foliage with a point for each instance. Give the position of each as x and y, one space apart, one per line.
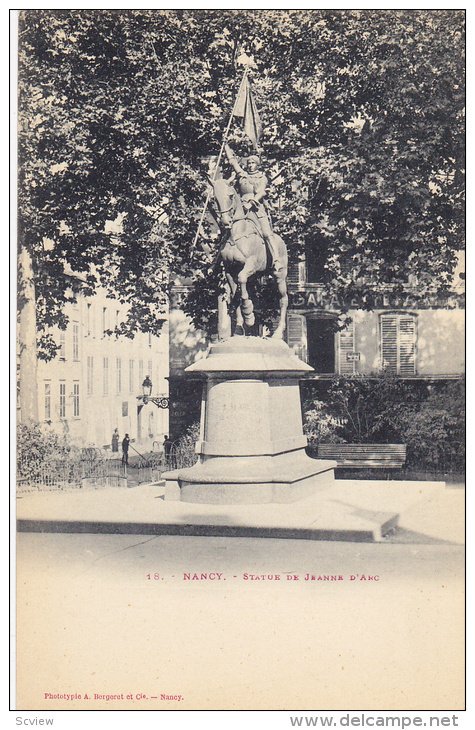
120 111
430 420
183 452
37 447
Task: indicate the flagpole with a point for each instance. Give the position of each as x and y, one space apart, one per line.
225 137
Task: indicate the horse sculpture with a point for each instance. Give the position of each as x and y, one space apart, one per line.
245 254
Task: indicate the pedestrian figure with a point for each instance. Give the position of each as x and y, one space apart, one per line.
167 445
125 449
115 440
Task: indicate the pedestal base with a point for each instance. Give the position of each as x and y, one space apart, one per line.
252 447
238 481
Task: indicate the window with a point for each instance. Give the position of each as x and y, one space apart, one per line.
75 341
117 312
105 376
88 319
105 324
347 356
150 371
297 335
90 375
47 401
76 399
398 337
316 254
296 273
62 400
321 344
92 320
62 345
131 376
140 372
118 374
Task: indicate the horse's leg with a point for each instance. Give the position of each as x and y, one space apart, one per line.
247 306
280 278
224 318
233 288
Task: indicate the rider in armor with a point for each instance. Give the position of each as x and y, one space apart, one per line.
252 185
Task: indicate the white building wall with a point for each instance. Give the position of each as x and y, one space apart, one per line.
440 341
106 400
439 345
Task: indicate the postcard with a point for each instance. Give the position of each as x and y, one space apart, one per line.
240 361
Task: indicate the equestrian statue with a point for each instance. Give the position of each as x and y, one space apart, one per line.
251 246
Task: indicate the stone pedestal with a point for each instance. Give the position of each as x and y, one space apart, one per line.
252 446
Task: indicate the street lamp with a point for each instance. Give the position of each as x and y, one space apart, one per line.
147 389
160 400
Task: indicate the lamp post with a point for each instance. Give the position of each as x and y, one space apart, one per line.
147 389
161 401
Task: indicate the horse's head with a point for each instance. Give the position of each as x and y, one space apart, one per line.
227 201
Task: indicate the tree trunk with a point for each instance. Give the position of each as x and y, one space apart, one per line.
28 393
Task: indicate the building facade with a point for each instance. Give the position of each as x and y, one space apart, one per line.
94 384
401 335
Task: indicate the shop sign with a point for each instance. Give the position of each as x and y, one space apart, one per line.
316 299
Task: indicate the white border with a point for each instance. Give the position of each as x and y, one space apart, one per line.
231 720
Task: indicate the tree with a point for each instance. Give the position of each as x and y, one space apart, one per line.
428 418
120 110
36 448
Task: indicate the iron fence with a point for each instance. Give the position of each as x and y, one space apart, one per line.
148 469
182 455
92 468
61 474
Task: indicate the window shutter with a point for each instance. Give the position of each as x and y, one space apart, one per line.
297 334
407 345
346 339
294 279
398 343
389 358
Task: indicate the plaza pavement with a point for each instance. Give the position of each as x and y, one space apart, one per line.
350 510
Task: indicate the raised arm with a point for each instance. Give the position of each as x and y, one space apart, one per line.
233 160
